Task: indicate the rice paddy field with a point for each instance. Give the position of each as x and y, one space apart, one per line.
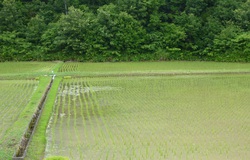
156 117
150 68
20 70
14 97
135 110
20 92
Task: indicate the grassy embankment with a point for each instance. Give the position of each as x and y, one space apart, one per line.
38 142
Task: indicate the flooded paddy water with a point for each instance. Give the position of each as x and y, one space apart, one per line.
191 117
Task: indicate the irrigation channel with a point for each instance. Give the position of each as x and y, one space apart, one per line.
24 143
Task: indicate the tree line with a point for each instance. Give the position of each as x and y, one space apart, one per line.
125 30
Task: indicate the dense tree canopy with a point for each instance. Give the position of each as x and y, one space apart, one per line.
125 30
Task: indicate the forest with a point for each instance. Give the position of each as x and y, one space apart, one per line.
125 30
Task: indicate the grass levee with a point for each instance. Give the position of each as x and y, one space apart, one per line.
38 142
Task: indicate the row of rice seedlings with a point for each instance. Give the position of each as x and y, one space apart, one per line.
88 112
77 134
142 123
16 100
188 114
81 119
91 110
220 113
75 110
57 117
101 116
109 140
70 122
26 67
19 101
147 132
197 130
146 123
115 141
65 111
65 122
194 108
82 112
54 120
6 95
69 67
147 67
98 132
47 66
125 140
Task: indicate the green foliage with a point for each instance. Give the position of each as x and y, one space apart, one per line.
121 30
242 15
11 16
232 43
117 34
68 35
192 27
13 47
195 7
35 29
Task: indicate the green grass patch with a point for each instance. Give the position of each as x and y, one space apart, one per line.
38 143
57 158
